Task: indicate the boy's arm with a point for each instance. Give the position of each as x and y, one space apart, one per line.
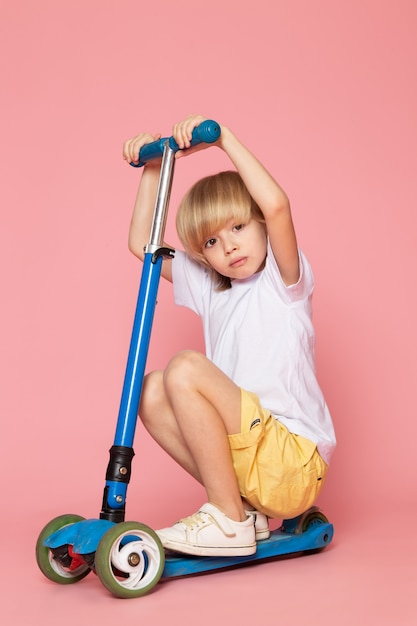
266 192
141 222
273 203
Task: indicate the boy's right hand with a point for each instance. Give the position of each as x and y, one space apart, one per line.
131 147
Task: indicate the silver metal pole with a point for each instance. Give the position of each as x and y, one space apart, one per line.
162 200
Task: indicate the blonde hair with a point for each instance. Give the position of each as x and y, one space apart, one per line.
208 205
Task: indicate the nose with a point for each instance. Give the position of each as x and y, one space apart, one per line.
230 246
229 249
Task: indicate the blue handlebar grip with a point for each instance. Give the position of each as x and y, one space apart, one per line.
207 132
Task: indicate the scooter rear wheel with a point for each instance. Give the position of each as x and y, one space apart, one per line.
313 517
129 559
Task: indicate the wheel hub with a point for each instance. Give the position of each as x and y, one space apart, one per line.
133 559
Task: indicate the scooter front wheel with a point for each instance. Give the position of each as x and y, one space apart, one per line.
129 559
60 565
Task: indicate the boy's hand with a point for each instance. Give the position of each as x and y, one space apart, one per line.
131 147
182 133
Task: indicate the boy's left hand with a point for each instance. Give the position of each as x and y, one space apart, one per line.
182 133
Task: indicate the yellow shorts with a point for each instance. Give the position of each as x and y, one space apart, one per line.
279 473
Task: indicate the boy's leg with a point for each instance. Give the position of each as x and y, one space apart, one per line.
191 412
207 407
159 420
190 409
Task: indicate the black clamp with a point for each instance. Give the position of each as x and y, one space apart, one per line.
165 253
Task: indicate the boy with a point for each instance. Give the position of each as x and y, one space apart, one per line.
248 420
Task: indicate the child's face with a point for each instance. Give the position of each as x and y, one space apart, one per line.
237 250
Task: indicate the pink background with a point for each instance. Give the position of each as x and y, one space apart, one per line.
324 92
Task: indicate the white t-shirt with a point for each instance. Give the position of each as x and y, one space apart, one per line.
260 334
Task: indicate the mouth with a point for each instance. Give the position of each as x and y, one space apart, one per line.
238 262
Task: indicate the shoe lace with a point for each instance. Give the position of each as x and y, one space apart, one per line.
194 520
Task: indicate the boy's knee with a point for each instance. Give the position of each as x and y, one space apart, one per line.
183 368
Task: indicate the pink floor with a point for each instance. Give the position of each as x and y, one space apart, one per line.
367 575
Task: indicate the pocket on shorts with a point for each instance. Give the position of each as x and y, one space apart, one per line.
314 468
252 428
248 439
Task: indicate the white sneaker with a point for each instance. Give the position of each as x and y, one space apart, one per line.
209 532
261 525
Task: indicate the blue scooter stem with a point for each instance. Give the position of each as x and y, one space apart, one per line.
207 132
138 351
121 453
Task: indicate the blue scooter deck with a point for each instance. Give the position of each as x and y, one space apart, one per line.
280 543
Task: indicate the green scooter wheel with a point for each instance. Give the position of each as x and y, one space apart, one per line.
129 559
63 568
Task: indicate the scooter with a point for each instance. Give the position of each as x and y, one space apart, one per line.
128 557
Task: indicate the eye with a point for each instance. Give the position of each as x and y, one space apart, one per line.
210 243
238 227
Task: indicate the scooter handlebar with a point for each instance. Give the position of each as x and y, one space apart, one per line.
206 132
